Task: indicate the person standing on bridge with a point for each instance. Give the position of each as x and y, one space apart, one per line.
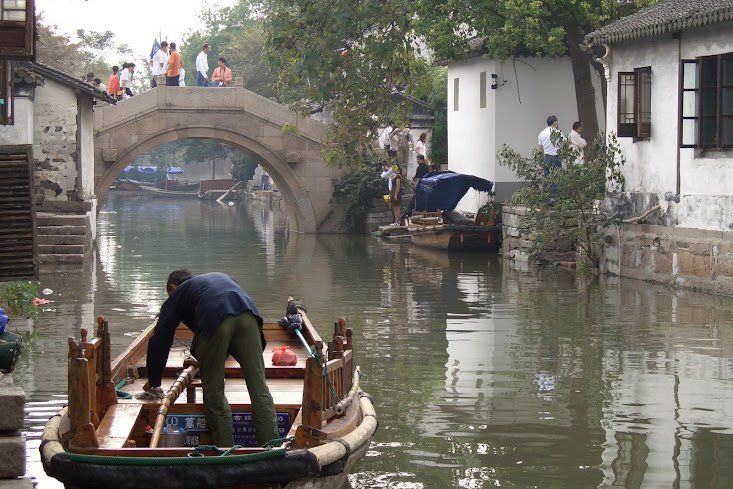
175 63
202 66
159 63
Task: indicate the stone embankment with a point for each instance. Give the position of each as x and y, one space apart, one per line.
517 242
12 442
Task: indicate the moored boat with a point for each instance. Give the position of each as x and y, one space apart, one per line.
103 439
433 223
169 194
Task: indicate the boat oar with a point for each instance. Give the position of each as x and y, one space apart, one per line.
181 382
295 327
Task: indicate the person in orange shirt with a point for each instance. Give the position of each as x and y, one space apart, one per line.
175 63
222 75
113 82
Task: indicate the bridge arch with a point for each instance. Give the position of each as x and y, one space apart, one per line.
236 116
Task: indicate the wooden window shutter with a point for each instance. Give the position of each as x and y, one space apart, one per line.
17 214
17 29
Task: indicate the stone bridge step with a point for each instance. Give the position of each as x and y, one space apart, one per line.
61 239
60 258
62 230
61 249
49 219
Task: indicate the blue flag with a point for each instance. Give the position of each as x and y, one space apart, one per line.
156 48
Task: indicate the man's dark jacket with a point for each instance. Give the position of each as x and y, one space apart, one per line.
201 303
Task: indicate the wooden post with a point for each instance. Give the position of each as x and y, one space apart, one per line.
106 394
82 432
90 353
313 394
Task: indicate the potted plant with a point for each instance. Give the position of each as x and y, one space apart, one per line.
17 309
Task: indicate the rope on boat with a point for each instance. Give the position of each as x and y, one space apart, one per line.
247 458
199 450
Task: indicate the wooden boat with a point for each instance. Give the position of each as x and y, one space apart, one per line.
215 189
100 440
433 230
169 194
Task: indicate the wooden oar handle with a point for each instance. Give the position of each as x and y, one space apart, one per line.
183 379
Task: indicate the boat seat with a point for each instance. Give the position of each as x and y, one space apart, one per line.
116 425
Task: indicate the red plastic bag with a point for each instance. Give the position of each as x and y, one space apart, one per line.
283 357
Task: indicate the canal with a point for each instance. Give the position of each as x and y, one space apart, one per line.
483 376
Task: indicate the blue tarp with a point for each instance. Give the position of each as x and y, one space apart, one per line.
442 190
152 169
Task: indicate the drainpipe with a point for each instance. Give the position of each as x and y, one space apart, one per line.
678 36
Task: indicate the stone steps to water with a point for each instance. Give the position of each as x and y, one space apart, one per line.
62 230
61 249
60 258
49 219
61 238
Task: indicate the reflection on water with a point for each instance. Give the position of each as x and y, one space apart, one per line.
483 376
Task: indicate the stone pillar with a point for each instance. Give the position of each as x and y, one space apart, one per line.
12 442
160 80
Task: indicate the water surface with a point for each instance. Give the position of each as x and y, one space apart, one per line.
482 376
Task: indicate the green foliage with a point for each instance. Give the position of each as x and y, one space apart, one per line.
353 56
17 299
438 103
243 168
289 129
568 203
356 191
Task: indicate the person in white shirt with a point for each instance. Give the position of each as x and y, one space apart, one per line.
182 78
99 85
202 66
421 147
128 70
577 142
384 141
159 63
546 141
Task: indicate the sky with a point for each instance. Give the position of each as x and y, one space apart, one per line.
135 22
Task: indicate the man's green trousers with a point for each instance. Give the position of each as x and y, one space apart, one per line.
240 337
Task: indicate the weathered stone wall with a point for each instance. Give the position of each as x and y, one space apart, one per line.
683 257
517 242
55 142
12 442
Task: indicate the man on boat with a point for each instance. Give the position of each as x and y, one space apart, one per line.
224 321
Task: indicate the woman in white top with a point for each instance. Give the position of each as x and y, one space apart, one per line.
421 147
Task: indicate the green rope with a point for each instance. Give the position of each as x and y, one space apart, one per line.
248 458
120 393
334 395
276 442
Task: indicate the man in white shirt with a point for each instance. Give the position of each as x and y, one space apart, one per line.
126 80
577 142
202 66
159 63
546 141
384 142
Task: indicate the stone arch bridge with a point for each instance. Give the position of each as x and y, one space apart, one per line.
292 157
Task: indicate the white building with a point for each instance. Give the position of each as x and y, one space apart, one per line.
669 73
492 103
47 117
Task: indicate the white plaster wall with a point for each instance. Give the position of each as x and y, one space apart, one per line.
54 143
708 175
515 113
651 165
472 129
21 131
86 149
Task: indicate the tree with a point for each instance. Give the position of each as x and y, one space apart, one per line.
355 55
351 56
237 34
568 203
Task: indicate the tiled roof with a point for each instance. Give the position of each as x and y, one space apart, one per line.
70 81
664 17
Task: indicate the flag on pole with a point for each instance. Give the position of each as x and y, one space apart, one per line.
155 49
